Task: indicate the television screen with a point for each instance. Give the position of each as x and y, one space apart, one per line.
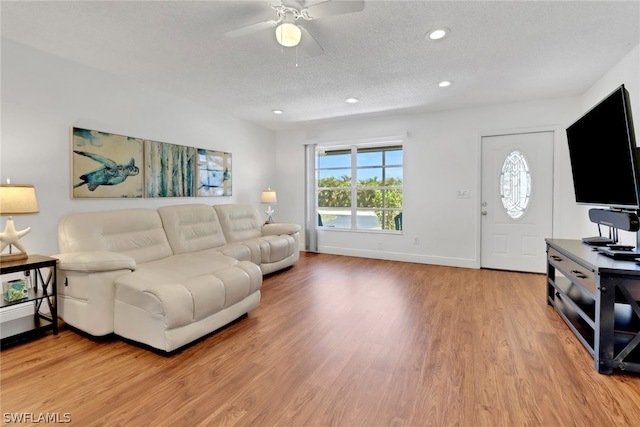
603 154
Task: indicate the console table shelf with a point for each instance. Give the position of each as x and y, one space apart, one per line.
597 297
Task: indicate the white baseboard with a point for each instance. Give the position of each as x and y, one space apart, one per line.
398 256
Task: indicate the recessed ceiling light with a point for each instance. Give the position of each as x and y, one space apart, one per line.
351 100
276 111
438 33
445 83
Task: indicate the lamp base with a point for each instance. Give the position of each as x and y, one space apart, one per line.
269 213
13 257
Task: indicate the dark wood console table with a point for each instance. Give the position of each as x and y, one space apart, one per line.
43 290
597 297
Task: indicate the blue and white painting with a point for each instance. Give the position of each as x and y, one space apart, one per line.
106 165
214 173
169 170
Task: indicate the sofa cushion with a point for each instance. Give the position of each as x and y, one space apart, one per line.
137 233
191 228
273 248
242 252
239 222
186 288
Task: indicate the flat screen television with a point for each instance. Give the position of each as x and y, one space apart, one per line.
603 153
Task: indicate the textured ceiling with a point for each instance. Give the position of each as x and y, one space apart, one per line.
497 52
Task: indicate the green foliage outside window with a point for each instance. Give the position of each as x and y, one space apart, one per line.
371 193
331 194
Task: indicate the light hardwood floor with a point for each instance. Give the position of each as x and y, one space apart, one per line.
341 341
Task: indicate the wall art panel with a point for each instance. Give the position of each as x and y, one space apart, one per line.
105 165
214 173
169 170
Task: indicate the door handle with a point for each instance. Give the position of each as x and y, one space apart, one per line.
484 213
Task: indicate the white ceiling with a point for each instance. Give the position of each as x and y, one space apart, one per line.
497 52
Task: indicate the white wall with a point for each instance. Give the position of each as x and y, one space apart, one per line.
43 96
442 156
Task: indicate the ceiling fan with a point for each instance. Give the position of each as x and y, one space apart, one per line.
288 32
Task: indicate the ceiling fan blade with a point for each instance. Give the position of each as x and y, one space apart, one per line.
309 44
330 8
249 29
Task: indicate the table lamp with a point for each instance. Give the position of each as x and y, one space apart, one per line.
15 199
269 198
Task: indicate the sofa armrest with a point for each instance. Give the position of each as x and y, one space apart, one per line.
277 229
94 261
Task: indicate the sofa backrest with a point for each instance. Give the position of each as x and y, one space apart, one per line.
239 222
192 227
137 233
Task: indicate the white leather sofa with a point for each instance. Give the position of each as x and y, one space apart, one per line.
166 277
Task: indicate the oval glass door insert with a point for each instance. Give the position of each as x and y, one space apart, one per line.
515 184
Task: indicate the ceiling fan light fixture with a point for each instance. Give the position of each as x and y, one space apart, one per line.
288 34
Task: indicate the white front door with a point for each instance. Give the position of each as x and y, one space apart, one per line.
517 201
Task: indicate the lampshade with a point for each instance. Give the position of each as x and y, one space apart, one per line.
269 196
18 199
288 34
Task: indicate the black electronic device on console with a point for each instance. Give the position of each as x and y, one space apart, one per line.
605 165
616 247
622 220
603 154
625 255
597 241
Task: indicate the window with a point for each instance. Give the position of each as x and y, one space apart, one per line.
515 184
360 188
